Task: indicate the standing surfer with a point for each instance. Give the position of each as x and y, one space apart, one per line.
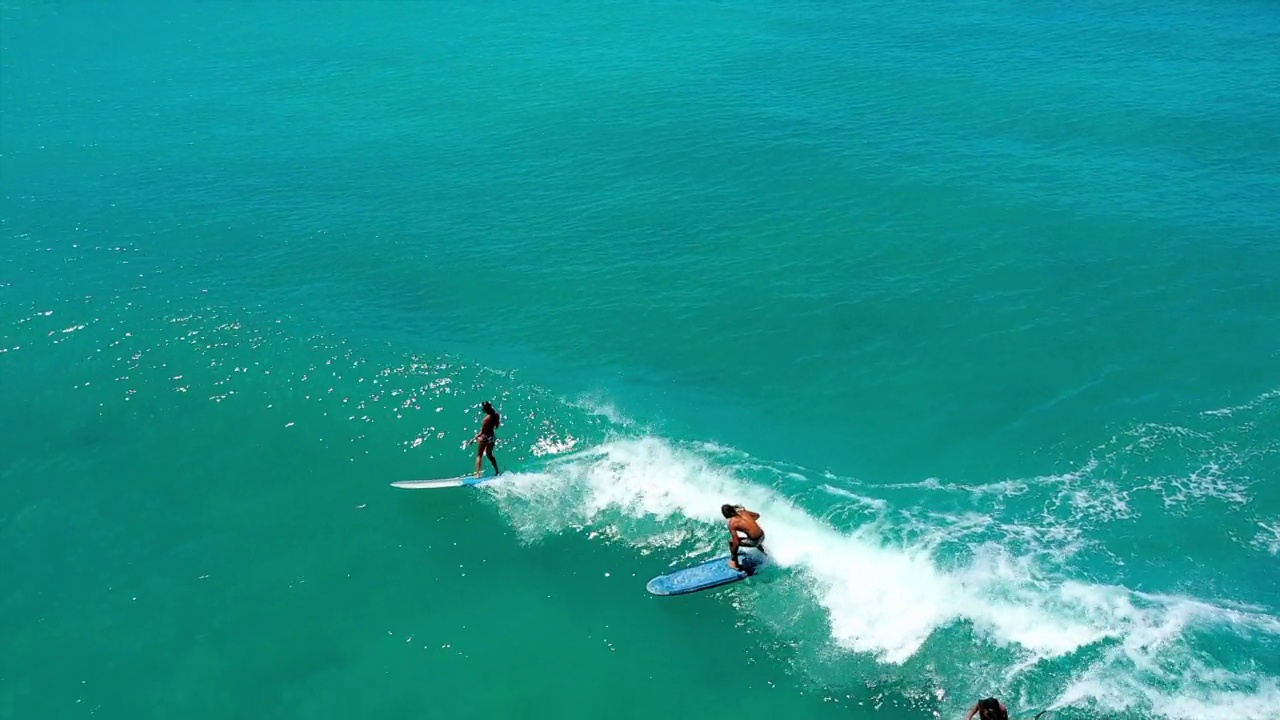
486 438
742 520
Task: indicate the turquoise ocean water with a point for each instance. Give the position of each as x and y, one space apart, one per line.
977 303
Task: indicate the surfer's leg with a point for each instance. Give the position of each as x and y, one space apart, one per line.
733 551
480 458
493 460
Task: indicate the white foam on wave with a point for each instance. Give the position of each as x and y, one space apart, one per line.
880 597
1201 693
1002 488
1268 537
1251 405
598 405
1182 469
874 505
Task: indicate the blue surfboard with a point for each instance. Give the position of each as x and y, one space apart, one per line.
464 480
710 574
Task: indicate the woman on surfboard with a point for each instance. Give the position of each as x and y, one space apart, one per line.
486 438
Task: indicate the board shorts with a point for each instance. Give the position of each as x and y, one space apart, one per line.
745 541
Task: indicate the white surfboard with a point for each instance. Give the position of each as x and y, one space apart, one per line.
463 480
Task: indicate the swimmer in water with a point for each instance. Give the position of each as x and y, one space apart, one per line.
989 709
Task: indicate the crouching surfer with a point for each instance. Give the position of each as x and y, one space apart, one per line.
744 531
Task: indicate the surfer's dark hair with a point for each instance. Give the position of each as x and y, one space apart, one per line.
728 510
990 708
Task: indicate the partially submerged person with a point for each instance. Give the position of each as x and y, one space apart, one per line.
486 438
742 522
989 709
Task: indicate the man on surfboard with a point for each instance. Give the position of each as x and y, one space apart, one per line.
486 438
742 520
